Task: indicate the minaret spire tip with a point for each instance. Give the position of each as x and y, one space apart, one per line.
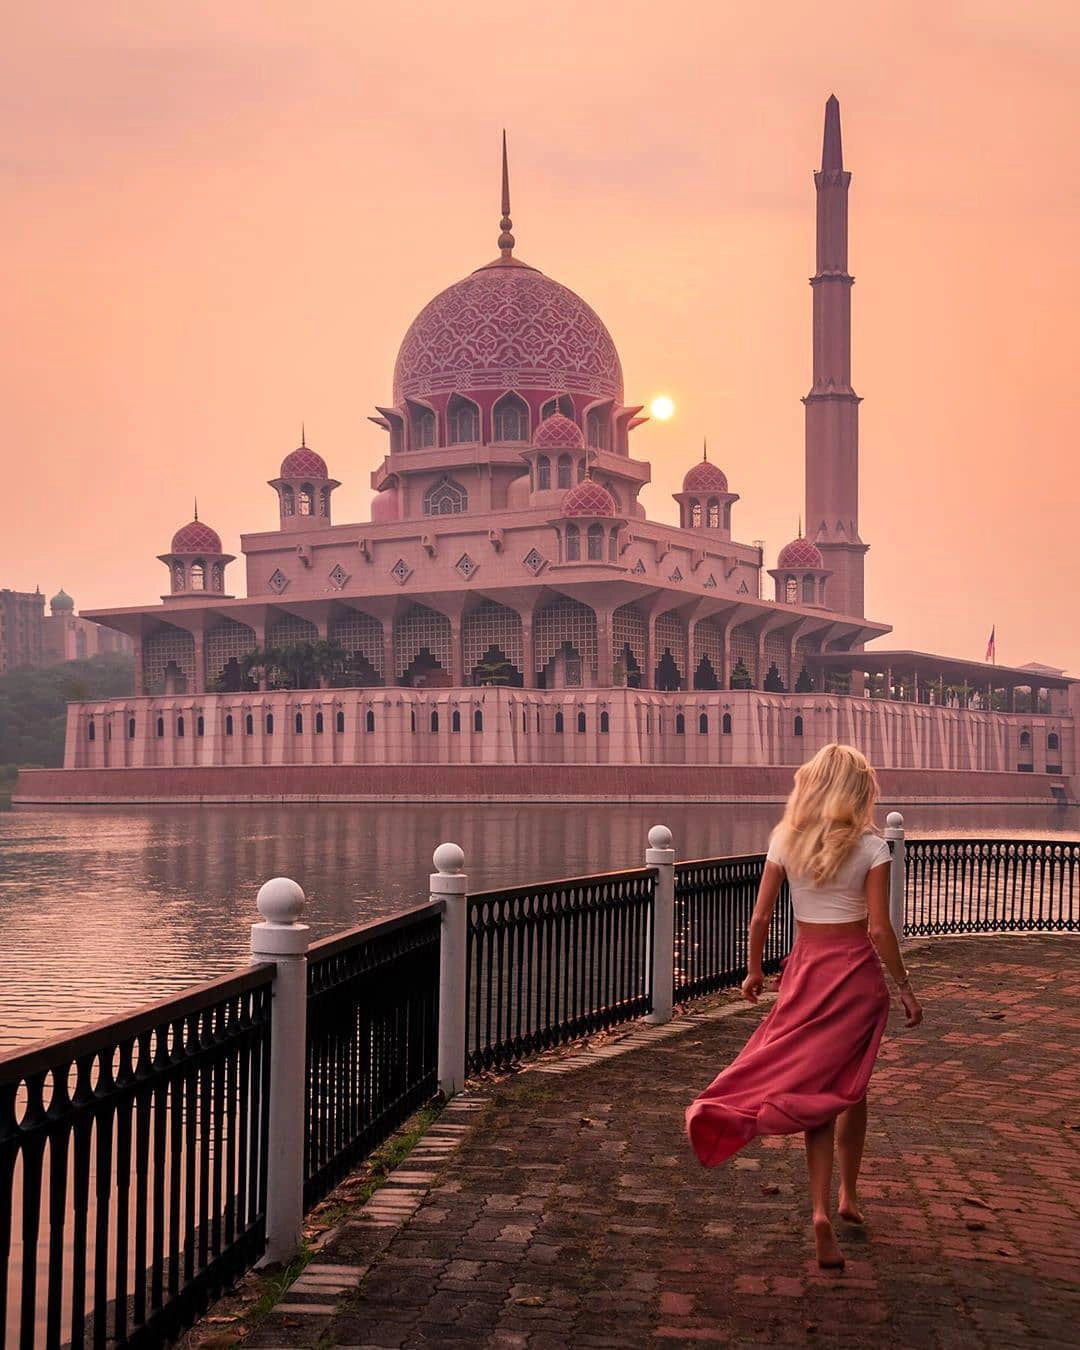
832 151
705 448
506 239
303 436
196 508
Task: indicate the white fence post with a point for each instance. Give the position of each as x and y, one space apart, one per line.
661 855
894 831
449 883
280 938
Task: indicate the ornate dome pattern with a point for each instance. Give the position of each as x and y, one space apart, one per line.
507 326
588 499
558 432
61 602
303 463
705 477
196 537
800 553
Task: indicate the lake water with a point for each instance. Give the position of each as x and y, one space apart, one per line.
102 909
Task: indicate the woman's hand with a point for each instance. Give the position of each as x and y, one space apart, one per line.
752 986
912 1007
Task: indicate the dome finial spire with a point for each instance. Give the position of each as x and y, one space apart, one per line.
798 534
196 508
506 239
705 449
303 437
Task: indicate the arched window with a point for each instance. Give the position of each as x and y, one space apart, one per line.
613 546
543 473
581 467
596 543
463 417
249 725
200 726
434 720
1052 742
319 724
703 723
217 577
288 501
269 724
324 501
161 726
455 720
680 724
695 515
369 721
1025 739
228 724
808 590
714 514
178 576
581 722
565 471
573 544
478 720
339 723
725 725
131 728
558 724
562 404
798 725
91 731
306 500
604 724
180 726
446 498
791 590
198 576
423 426
299 723
596 429
510 419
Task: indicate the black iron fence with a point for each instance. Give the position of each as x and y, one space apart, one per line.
991 885
547 964
372 1039
133 1168
714 899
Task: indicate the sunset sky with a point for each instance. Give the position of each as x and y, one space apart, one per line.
220 218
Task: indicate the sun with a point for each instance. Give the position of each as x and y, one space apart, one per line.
662 407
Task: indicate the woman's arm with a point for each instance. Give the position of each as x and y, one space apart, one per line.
883 936
760 920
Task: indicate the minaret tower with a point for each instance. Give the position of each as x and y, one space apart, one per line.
832 406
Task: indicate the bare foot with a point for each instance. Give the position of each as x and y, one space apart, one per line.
829 1255
849 1210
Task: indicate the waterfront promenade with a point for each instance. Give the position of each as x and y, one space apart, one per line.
562 1208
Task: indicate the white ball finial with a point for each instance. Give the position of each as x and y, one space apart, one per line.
894 820
659 837
449 859
280 901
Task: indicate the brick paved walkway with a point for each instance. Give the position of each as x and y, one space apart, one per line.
572 1213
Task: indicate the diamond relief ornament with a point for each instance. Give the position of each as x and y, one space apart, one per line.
338 576
534 561
466 566
278 580
401 571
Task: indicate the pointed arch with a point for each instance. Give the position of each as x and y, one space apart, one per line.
510 419
422 647
422 426
493 645
447 497
565 628
462 420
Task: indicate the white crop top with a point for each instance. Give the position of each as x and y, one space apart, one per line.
840 900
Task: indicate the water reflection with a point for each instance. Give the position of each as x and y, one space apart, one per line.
101 910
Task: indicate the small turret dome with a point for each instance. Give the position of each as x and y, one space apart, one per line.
558 432
62 603
303 462
588 499
705 477
196 537
800 553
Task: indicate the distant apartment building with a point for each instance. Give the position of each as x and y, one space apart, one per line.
30 638
22 630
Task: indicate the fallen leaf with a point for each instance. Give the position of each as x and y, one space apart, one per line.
530 1301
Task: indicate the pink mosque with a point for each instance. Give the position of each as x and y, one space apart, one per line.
514 625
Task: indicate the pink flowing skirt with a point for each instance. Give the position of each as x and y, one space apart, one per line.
809 1059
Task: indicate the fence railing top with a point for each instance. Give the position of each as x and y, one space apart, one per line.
40 1056
727 858
369 932
564 883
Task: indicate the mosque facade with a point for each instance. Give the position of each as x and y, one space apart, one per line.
509 605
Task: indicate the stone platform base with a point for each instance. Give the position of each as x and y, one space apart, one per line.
498 782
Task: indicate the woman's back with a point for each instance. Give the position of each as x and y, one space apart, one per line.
841 899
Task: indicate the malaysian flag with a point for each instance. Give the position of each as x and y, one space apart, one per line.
991 645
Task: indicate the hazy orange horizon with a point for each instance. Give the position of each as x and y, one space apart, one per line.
222 219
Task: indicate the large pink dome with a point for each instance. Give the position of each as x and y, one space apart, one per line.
196 537
507 326
303 462
800 553
588 499
705 477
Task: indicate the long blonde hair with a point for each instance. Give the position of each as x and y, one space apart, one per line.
829 810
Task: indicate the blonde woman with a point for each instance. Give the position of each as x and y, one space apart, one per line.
808 1064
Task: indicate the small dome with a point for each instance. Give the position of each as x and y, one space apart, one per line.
800 553
196 537
705 477
303 463
588 499
62 603
384 508
558 432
